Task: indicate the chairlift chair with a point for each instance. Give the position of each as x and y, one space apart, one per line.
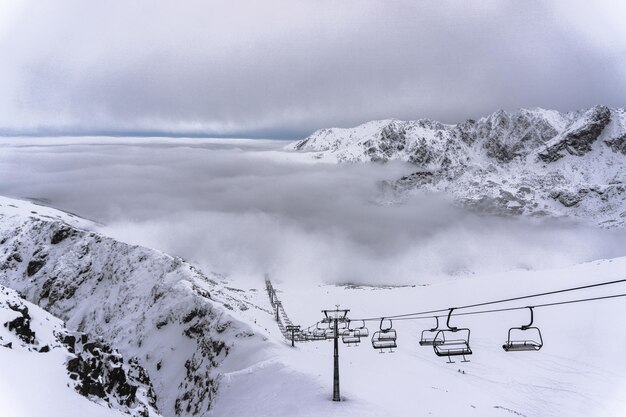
429 336
525 337
305 334
352 336
318 332
453 341
385 338
362 330
329 334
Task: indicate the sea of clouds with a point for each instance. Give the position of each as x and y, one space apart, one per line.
245 207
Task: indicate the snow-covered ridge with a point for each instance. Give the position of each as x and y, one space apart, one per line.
532 161
502 137
179 323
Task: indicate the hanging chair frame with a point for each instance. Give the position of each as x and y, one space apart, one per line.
385 337
526 344
454 341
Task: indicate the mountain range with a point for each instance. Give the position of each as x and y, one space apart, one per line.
533 162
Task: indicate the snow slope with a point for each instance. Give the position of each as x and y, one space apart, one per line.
577 373
534 162
179 323
35 378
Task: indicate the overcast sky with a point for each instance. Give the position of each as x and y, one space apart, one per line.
285 68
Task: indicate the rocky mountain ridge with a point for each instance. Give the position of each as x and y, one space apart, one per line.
178 323
532 161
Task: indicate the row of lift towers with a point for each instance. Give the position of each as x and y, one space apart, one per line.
446 342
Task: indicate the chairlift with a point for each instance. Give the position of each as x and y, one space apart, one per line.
318 332
453 341
329 333
342 325
362 330
385 338
525 337
429 336
352 336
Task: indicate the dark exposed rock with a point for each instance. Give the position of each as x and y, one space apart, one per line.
21 324
578 141
568 199
34 266
99 371
617 144
191 315
60 235
68 340
420 176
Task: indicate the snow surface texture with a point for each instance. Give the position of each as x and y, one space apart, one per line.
175 320
36 353
576 373
535 162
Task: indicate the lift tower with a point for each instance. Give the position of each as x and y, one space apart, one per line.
334 318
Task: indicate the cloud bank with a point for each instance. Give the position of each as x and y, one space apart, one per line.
244 208
284 68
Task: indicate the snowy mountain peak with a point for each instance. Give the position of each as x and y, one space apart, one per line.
501 136
529 161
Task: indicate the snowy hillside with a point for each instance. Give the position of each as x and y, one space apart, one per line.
48 370
179 323
534 162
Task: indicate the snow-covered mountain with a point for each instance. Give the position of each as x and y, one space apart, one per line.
536 162
177 323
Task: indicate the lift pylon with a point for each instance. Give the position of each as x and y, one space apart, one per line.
334 317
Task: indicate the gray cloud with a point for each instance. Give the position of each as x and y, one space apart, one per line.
284 68
240 207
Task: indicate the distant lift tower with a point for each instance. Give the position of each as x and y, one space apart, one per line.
336 319
293 330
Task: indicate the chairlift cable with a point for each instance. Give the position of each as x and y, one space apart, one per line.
421 313
498 310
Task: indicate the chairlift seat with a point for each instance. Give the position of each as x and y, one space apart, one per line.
524 344
521 345
350 339
452 348
362 331
429 338
457 346
384 339
329 333
526 338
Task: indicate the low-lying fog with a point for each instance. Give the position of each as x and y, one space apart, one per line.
245 208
